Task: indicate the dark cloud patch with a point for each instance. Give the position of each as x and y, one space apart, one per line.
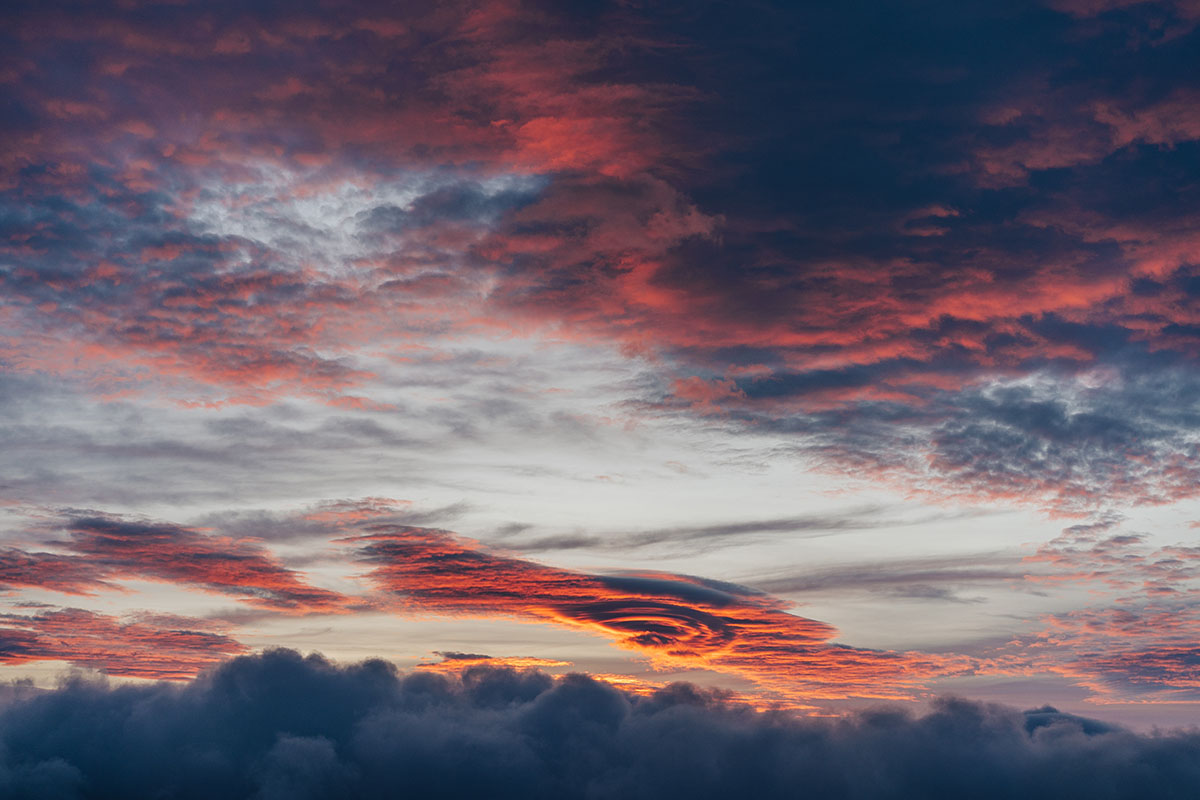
1129 438
1078 442
282 725
443 205
451 655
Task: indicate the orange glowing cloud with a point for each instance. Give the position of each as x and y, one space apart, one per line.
454 663
676 621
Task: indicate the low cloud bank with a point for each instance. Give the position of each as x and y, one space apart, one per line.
280 725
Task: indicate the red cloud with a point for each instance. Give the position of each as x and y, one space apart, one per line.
134 649
103 549
158 551
201 316
707 396
68 574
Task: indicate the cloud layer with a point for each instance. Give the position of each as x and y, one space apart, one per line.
234 204
257 254
1132 641
284 726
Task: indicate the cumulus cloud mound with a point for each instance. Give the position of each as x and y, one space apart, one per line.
281 725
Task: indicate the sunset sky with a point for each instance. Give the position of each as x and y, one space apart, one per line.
827 353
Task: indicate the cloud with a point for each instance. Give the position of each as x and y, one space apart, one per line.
926 225
67 574
1136 639
159 647
216 266
931 578
916 252
454 662
1070 443
103 548
724 534
1140 647
1140 652
677 621
283 725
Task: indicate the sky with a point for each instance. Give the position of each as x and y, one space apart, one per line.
816 355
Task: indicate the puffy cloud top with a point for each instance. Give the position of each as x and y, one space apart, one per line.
281 725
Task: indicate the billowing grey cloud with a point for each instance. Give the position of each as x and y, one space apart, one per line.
280 725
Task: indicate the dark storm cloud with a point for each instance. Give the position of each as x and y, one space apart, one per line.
283 726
